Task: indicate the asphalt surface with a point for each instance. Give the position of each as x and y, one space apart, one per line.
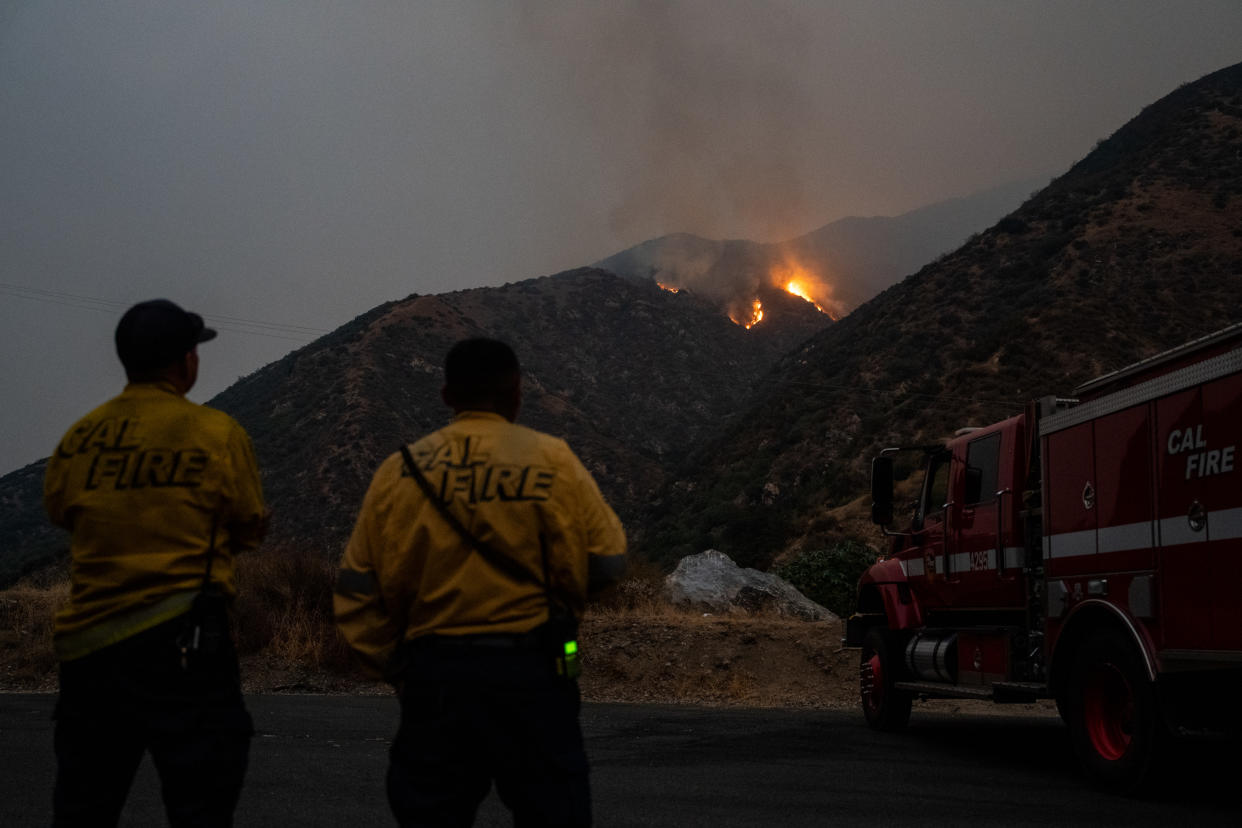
320 760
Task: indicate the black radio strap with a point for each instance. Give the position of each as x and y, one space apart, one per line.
211 554
494 556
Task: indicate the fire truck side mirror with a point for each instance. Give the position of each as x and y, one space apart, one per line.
882 491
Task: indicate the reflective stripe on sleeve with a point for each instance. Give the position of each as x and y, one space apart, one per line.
351 581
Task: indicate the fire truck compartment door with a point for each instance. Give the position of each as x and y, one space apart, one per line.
1070 541
1222 499
1124 497
1185 593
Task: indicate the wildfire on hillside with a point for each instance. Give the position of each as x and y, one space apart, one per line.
793 278
755 317
739 291
800 290
799 280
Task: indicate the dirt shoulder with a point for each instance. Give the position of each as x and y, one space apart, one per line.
717 661
663 658
738 661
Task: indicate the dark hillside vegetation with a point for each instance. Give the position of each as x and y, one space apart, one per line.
30 542
630 375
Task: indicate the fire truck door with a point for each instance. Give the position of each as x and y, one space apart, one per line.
923 560
985 558
1221 495
1184 559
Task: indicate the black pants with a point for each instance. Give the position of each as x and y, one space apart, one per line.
134 696
474 714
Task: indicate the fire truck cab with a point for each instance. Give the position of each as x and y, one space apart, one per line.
1087 550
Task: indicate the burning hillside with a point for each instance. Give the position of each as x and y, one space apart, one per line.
801 281
748 317
741 294
837 267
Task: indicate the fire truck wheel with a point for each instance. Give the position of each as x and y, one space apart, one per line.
1113 714
885 707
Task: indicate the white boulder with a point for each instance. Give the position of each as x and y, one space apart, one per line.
712 581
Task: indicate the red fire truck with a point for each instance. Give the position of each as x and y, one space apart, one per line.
1088 550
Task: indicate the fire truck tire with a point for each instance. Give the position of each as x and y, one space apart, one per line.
885 707
1113 714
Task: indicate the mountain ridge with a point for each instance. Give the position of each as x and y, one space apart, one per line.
849 260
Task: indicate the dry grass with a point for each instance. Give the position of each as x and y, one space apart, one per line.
639 594
26 612
282 621
283 611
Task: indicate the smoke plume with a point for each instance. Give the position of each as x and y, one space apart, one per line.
712 124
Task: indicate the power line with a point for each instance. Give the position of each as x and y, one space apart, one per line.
233 324
55 298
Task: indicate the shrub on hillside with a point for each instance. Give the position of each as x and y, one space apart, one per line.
829 575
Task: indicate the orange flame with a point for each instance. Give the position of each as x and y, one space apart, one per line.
798 289
795 278
669 288
756 316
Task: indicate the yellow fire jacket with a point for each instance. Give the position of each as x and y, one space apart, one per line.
139 482
407 573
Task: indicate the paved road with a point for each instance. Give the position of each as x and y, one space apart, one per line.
319 761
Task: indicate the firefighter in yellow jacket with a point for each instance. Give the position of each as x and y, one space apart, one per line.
158 494
467 571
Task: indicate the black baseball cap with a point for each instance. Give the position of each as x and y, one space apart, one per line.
155 334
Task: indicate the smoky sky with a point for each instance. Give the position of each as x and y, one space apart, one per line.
281 167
